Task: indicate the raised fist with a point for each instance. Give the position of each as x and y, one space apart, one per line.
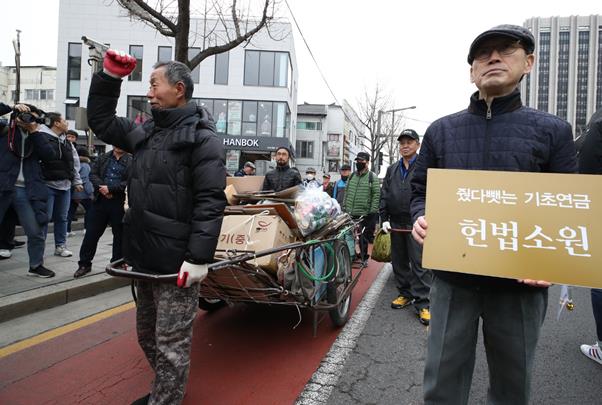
118 64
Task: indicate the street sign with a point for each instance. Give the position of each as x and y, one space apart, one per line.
516 225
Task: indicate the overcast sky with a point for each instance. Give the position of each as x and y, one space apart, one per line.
417 50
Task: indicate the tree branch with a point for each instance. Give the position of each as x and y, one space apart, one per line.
144 12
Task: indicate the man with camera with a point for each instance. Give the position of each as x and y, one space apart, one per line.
176 204
22 187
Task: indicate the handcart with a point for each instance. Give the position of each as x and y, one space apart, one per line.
313 273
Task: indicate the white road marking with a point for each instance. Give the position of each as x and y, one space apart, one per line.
320 385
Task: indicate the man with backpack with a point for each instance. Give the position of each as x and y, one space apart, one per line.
362 197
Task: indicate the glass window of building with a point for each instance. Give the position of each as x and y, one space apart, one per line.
281 69
136 51
309 125
249 118
220 114
305 149
582 74
164 54
264 118
234 117
251 68
46 94
196 72
599 81
544 71
222 61
71 110
138 109
280 120
266 69
74 64
205 102
562 83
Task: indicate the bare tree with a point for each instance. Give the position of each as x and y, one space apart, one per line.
391 127
222 25
368 110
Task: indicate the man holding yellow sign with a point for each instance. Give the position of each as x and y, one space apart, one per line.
498 133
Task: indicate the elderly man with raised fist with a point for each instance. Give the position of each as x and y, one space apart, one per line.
176 204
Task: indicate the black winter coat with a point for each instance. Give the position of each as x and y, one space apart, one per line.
176 186
590 154
395 196
99 168
281 178
508 137
37 149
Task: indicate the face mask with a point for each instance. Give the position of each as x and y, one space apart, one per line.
360 166
344 178
310 177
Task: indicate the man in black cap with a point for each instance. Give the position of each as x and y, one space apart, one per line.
496 132
283 176
247 170
362 197
412 281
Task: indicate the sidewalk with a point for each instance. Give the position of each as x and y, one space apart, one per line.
21 294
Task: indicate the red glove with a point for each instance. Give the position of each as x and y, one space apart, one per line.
118 64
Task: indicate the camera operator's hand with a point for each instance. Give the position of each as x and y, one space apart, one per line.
21 108
78 189
104 190
118 64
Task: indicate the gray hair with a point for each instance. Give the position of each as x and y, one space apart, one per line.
178 72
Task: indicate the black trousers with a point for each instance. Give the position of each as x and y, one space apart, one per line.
7 229
102 213
411 279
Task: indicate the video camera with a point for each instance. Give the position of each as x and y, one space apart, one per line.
29 118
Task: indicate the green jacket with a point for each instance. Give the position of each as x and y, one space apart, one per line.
362 196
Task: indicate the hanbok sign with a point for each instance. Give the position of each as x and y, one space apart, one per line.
516 225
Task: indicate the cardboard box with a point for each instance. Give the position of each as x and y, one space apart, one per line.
230 192
254 233
246 184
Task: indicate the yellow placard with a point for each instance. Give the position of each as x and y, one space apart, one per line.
539 226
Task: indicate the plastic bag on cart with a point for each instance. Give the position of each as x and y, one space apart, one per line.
314 209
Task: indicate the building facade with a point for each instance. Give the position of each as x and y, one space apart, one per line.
251 90
327 137
567 76
38 85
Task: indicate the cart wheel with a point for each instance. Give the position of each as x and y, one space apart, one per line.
340 314
209 304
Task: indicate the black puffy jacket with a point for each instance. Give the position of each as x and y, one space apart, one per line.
395 196
508 137
281 178
590 154
176 186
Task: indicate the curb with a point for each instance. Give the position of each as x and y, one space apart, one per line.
25 303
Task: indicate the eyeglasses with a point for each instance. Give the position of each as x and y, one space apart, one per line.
503 48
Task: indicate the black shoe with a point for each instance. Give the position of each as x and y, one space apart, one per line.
82 271
41 271
142 401
18 243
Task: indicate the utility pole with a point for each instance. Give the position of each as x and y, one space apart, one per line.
17 46
393 111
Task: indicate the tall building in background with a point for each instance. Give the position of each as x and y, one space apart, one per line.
567 77
251 90
37 86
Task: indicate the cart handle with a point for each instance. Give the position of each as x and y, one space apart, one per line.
115 268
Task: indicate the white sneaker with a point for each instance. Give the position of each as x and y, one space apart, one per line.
70 234
62 251
593 352
5 253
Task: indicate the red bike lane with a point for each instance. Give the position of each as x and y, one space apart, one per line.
245 354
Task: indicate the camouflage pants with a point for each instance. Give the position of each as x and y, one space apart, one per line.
164 317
